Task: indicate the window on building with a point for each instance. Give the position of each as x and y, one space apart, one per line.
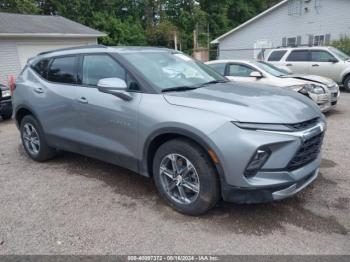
319 40
276 56
63 70
299 56
318 3
291 41
295 7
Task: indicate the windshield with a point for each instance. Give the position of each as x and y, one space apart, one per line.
170 70
271 69
341 55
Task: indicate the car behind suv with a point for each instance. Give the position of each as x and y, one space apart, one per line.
323 61
164 115
323 91
5 102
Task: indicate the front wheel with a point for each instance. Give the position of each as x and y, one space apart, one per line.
185 177
347 84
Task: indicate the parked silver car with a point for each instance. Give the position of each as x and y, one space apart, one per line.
324 61
323 91
164 115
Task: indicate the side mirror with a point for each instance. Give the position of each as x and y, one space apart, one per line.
114 86
256 74
333 60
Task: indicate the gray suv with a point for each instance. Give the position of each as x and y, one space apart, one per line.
164 115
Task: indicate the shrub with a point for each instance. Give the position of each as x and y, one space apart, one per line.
342 44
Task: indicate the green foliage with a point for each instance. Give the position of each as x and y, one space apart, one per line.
343 44
19 6
148 22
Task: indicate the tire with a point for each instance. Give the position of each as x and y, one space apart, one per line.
42 151
199 183
347 84
6 116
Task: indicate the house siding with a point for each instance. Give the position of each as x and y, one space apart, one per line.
11 55
331 18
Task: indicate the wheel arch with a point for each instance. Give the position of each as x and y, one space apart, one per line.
21 112
159 137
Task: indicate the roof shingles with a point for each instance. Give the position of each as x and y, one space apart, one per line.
19 24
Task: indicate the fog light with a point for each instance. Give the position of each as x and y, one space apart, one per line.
258 160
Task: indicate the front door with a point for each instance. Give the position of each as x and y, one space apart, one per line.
109 123
324 64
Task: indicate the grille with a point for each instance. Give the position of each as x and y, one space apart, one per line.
304 125
308 152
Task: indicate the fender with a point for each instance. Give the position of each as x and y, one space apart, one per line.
145 168
23 106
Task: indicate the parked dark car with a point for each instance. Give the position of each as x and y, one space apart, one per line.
5 102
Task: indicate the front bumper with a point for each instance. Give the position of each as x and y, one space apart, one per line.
5 107
276 179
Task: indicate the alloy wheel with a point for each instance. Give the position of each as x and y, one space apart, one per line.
31 139
179 178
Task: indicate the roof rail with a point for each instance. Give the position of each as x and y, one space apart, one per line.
72 48
294 46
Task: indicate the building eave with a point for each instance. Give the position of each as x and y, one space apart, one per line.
51 35
217 40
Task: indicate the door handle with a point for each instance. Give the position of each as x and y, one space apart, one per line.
315 65
39 90
83 100
289 64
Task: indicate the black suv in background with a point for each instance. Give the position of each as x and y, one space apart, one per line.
5 102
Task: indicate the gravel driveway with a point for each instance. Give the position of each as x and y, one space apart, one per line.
77 205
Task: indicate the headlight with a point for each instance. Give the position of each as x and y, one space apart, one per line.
268 127
5 93
315 89
296 88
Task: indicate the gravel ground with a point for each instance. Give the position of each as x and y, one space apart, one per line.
76 205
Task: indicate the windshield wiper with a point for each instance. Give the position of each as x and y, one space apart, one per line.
214 82
179 89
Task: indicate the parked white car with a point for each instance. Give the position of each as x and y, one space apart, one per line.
324 91
323 61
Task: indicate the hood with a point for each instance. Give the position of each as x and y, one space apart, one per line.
249 103
312 78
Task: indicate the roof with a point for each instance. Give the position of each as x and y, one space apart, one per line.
217 40
19 25
102 49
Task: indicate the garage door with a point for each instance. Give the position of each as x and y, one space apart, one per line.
27 51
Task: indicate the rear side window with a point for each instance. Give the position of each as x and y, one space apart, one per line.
41 67
277 55
63 70
299 56
96 67
220 68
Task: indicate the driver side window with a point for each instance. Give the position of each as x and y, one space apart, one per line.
321 56
96 67
240 70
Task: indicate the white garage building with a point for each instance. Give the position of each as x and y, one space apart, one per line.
24 36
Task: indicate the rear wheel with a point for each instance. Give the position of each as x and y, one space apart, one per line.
33 140
185 177
6 116
347 84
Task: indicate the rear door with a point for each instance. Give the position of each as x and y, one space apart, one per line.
54 100
109 123
298 61
324 64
